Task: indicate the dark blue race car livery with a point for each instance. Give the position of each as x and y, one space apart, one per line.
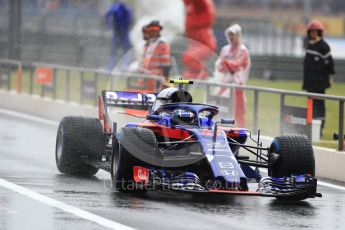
181 146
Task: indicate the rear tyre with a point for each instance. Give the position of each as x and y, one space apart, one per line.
293 155
79 140
131 141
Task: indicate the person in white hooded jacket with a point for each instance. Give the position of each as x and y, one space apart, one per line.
233 66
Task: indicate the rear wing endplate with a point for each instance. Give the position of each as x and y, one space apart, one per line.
122 99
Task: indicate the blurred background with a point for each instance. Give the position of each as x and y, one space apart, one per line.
73 32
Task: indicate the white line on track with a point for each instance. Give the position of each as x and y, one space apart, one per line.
331 185
28 117
64 207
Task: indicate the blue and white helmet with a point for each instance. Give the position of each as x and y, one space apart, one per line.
171 95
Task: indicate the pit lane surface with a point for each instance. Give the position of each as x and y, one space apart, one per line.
27 159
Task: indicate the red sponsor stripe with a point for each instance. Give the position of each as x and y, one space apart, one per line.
172 133
140 174
166 131
246 193
139 113
232 134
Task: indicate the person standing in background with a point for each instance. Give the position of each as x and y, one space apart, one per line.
233 65
156 58
318 68
200 16
170 13
119 18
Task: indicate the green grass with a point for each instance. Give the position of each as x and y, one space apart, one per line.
269 109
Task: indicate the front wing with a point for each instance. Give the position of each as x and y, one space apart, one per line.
294 187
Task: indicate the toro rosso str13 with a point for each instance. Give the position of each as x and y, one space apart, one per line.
180 146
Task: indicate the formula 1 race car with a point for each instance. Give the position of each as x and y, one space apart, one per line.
180 146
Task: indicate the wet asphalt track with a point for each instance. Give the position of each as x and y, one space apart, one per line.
27 159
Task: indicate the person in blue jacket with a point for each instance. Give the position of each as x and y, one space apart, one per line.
119 18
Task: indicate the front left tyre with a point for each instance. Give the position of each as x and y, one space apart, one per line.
79 140
131 142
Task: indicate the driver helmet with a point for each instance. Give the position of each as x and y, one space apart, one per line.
171 95
181 116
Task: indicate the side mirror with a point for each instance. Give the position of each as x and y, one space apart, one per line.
227 121
151 117
223 121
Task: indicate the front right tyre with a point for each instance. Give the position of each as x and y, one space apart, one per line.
291 155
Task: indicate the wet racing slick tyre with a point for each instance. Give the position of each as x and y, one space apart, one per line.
79 140
291 154
131 141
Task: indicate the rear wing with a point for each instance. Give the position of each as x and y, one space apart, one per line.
122 99
130 100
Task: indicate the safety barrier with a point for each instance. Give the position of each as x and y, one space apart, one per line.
82 85
61 82
283 94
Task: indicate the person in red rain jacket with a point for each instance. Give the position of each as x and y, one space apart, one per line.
156 57
233 65
199 21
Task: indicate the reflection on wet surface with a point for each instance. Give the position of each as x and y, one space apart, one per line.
19 212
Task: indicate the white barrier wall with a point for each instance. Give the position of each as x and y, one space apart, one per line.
330 163
44 107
